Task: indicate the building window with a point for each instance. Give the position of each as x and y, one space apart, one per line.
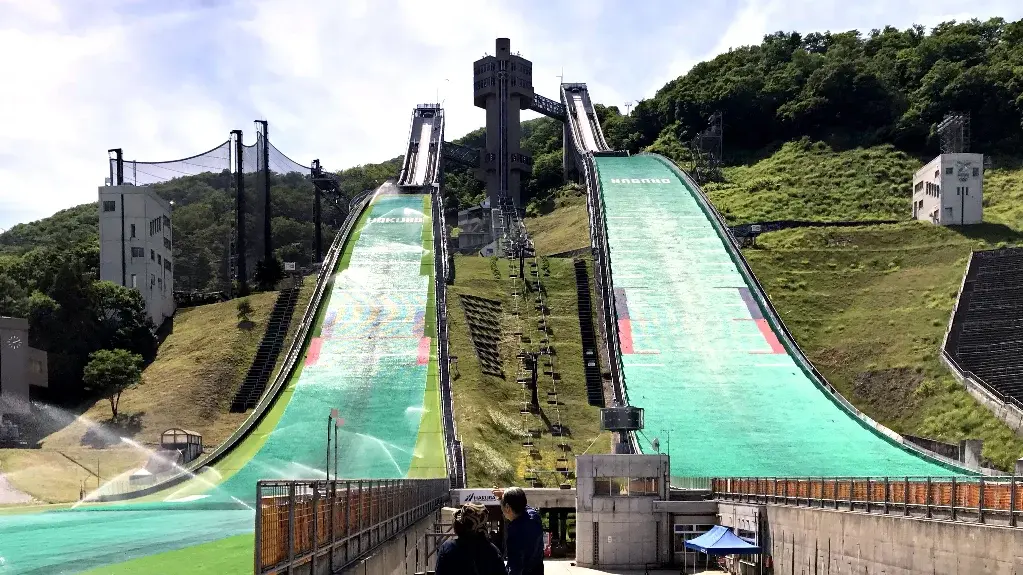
976 172
134 281
109 206
166 264
166 222
152 281
937 173
948 170
166 243
152 255
138 252
133 230
625 486
159 282
159 260
966 191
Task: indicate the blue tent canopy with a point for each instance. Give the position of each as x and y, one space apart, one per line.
721 541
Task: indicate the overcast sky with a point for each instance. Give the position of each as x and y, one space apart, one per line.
337 79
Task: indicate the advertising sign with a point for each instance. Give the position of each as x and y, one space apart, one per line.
481 496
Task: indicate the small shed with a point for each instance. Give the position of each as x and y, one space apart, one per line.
189 443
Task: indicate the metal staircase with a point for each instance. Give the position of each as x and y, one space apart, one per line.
591 361
269 349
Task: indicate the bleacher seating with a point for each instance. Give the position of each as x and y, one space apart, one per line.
987 330
269 349
483 317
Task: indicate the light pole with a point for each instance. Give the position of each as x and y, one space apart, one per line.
333 421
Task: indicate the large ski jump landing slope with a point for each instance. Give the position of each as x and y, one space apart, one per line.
371 355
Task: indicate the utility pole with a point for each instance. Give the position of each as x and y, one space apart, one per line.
317 211
239 175
268 250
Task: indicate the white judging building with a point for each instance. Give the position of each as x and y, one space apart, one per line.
135 245
949 190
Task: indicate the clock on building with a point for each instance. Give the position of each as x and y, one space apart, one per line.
963 170
14 342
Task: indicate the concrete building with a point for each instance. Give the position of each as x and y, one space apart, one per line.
625 518
136 245
503 85
20 367
949 190
475 229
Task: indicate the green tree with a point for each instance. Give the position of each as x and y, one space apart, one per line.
268 273
121 320
244 309
110 372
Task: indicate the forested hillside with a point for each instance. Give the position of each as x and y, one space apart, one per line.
846 88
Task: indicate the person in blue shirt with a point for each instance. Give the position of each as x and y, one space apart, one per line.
524 543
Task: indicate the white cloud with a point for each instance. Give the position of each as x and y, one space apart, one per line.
336 80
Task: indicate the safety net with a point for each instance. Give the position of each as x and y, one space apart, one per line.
702 360
206 260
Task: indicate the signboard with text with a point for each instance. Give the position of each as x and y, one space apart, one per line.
481 496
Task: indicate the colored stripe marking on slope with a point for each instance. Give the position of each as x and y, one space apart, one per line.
313 353
772 340
424 351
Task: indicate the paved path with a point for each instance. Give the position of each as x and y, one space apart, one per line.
8 494
566 567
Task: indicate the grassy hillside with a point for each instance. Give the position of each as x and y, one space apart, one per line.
870 305
562 224
197 371
810 181
487 407
807 180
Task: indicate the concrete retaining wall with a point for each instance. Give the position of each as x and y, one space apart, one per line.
825 542
1010 414
404 554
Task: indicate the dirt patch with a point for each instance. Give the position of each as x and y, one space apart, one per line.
889 392
10 495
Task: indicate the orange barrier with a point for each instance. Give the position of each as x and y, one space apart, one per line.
997 495
300 521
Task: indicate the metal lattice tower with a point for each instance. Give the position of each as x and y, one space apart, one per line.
707 149
954 133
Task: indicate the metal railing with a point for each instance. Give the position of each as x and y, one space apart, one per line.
603 280
694 483
976 499
786 338
336 523
455 466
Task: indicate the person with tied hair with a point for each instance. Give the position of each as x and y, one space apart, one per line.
470 553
